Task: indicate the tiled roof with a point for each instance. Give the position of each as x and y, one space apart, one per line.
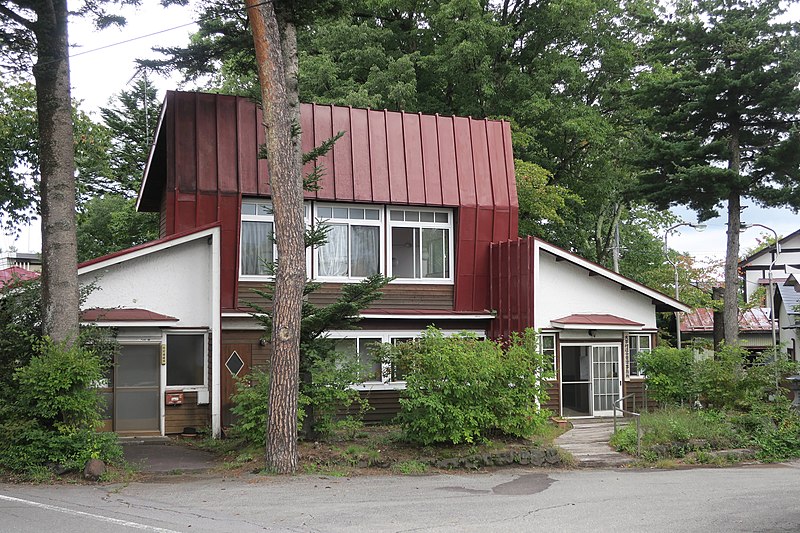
702 319
131 314
16 273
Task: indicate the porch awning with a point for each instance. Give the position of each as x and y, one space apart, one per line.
593 321
125 316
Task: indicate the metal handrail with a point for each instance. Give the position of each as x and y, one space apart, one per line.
618 407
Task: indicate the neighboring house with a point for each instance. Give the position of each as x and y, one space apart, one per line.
755 330
416 197
26 261
755 268
787 304
14 274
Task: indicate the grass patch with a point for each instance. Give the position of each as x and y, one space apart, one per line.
410 467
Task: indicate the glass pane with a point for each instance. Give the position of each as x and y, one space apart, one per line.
332 256
248 208
434 253
258 252
346 346
426 216
405 260
185 360
395 215
356 213
340 212
137 366
365 253
442 218
264 210
372 214
412 216
324 212
136 410
548 342
367 356
644 342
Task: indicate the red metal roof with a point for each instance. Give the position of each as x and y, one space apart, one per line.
15 273
596 320
702 319
131 314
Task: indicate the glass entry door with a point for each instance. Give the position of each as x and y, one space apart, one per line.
605 379
137 391
590 380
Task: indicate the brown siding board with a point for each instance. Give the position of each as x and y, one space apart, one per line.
186 144
262 180
189 414
464 163
480 161
497 165
430 160
323 130
448 166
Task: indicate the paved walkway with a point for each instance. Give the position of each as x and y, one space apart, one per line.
587 441
159 456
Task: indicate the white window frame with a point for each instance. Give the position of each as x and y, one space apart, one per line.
541 349
387 337
256 218
165 360
379 223
632 355
268 218
391 224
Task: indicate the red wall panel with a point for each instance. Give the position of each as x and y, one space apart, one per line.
360 150
378 156
227 149
430 160
398 186
207 151
415 172
342 169
323 130
247 125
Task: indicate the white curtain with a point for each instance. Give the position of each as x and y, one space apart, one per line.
332 256
365 256
257 248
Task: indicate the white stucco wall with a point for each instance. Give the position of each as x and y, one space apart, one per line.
563 289
787 257
176 281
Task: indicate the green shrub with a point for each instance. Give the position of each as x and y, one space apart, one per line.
462 389
669 371
56 413
325 396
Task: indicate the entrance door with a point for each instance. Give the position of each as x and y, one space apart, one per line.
605 379
590 380
235 361
137 389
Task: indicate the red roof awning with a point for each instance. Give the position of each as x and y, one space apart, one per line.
595 321
15 273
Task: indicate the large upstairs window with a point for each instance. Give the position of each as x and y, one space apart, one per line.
421 244
353 248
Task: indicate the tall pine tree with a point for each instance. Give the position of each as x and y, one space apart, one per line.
722 82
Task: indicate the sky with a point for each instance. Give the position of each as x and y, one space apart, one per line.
101 68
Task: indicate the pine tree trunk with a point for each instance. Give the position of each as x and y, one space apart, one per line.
60 300
731 303
287 200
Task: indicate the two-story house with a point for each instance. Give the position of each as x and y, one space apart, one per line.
420 198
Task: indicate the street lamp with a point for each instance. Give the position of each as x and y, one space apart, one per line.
698 227
770 301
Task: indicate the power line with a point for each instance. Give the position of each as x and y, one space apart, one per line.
133 39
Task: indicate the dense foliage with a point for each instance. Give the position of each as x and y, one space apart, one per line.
463 389
49 409
741 405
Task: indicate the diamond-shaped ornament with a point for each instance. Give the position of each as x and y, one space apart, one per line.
234 364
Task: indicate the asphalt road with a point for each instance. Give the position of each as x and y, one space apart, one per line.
756 498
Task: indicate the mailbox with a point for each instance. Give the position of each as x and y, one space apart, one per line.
174 398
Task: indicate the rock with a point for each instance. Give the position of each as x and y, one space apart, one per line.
698 444
94 469
538 457
57 469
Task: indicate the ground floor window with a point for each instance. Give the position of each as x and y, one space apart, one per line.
637 344
186 360
547 347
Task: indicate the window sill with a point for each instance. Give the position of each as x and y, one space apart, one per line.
375 386
253 277
422 281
